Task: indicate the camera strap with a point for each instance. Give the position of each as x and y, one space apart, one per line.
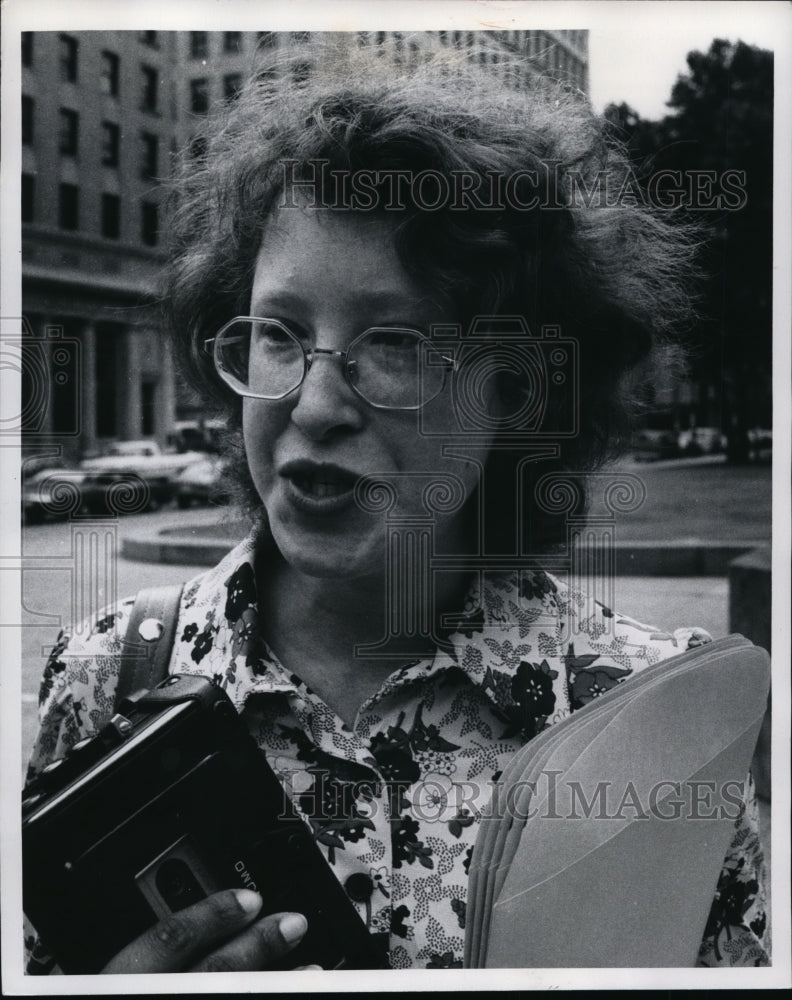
149 639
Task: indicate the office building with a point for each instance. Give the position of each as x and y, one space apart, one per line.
96 132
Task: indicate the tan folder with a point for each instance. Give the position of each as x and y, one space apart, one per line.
609 830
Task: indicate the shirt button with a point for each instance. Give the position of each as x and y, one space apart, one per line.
359 887
150 629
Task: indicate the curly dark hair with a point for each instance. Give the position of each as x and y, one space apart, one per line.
615 275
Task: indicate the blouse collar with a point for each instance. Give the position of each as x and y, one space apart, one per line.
220 607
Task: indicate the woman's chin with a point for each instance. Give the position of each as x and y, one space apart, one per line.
335 559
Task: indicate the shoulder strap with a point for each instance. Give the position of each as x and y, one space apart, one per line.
149 639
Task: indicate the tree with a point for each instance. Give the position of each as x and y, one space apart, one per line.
722 123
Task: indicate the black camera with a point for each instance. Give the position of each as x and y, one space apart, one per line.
171 801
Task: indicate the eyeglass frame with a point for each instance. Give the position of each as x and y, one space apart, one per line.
210 346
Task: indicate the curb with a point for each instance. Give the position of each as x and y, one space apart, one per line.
687 557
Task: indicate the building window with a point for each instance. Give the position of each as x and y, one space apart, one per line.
149 38
108 74
27 120
111 216
149 167
149 223
232 84
28 197
150 98
199 44
232 41
69 206
27 48
110 144
68 131
68 58
199 96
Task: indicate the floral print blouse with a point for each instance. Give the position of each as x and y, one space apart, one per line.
395 802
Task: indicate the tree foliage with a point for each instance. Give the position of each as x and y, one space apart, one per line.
721 121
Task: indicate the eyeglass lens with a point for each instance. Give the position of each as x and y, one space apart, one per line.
388 367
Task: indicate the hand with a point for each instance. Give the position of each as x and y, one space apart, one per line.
219 934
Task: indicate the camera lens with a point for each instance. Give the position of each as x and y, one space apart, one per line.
177 885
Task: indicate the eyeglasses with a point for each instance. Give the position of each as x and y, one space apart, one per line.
391 368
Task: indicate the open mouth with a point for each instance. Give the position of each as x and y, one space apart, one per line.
320 484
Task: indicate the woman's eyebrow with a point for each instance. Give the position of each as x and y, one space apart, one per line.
278 299
390 301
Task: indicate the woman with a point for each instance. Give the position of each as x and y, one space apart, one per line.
335 242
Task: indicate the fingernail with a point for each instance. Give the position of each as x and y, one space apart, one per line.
292 927
248 900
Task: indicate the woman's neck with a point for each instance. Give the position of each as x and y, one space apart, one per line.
314 626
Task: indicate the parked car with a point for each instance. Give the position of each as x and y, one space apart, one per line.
38 463
203 481
51 491
197 435
64 492
134 448
143 457
701 441
650 445
120 492
760 439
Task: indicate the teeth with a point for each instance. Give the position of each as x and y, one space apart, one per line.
319 487
324 489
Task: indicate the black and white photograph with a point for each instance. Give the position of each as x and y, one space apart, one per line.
395 456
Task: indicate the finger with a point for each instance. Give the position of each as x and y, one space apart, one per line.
177 940
259 946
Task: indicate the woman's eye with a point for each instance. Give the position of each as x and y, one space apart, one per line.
397 343
271 335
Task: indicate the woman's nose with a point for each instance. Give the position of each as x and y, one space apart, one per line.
325 400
